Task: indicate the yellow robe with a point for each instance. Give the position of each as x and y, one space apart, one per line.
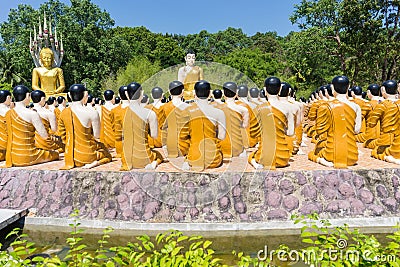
365 108
176 136
107 136
21 149
204 151
273 150
137 152
336 121
117 116
80 146
161 120
52 142
3 138
248 140
194 75
232 145
386 113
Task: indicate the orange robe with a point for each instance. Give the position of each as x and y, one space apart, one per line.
273 150
176 136
312 116
117 116
232 145
365 108
204 151
248 140
3 138
371 133
107 136
160 119
52 142
21 149
81 148
387 113
336 121
137 152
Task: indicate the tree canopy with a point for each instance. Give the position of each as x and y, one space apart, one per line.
357 38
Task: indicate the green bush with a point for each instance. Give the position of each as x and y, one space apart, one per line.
170 249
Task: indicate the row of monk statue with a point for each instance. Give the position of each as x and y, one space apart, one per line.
267 130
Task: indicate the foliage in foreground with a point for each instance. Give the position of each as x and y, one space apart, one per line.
325 246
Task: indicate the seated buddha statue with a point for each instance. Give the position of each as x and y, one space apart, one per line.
338 120
276 121
206 128
386 146
80 131
175 129
189 75
371 133
295 109
52 142
157 106
117 117
48 78
248 140
236 118
22 123
5 101
107 136
137 123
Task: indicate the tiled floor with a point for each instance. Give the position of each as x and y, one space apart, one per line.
298 162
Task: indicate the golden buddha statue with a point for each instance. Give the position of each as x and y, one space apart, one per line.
237 117
175 134
189 75
206 128
107 136
158 107
21 126
387 145
48 78
276 122
5 101
338 121
80 130
138 122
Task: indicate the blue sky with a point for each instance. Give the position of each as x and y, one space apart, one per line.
184 17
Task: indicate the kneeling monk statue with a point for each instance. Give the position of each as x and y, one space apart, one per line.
79 129
21 126
138 120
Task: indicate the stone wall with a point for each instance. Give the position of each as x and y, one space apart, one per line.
194 197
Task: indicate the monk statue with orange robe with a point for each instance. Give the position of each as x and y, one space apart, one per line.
387 145
5 101
175 129
138 122
338 120
117 117
254 97
277 122
52 142
157 106
371 133
22 123
356 93
295 109
107 136
61 105
237 117
189 75
80 131
217 97
206 129
248 140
